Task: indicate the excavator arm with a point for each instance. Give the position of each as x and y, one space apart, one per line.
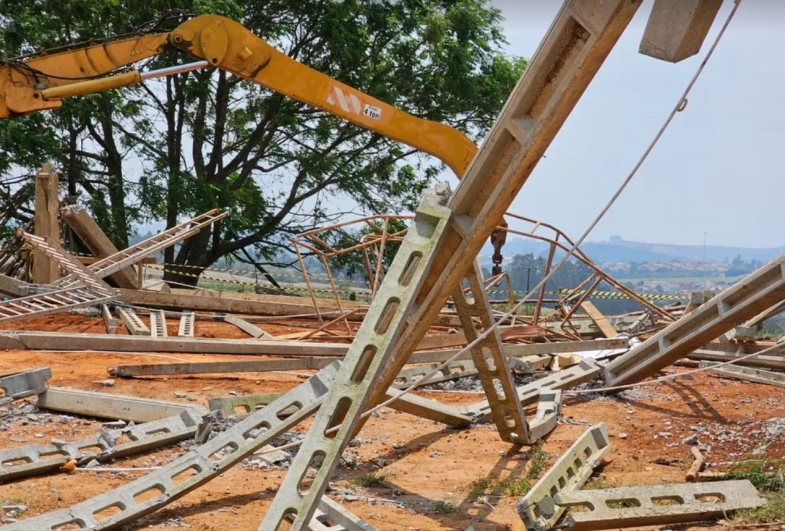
40 82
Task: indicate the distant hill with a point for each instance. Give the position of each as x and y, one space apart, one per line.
619 250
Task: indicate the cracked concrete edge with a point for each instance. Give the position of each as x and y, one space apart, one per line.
26 383
12 341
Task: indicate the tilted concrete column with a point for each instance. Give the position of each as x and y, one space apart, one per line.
45 270
98 242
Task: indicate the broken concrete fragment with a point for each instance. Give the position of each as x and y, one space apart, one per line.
691 439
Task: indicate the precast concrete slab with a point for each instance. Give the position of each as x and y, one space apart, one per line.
132 322
656 504
158 324
538 509
187 322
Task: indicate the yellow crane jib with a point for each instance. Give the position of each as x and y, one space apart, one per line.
41 82
230 46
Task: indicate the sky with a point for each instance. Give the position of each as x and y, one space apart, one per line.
718 168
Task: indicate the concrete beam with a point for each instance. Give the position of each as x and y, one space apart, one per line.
656 504
14 287
331 516
406 376
57 341
132 322
776 379
108 406
409 403
158 324
236 303
741 334
45 222
761 361
187 323
98 242
489 359
110 321
746 298
249 328
23 384
174 480
538 509
35 460
429 409
677 28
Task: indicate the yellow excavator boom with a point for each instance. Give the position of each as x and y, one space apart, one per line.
41 82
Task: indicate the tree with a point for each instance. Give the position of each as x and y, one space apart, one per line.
205 139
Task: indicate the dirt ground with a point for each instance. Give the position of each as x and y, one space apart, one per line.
424 462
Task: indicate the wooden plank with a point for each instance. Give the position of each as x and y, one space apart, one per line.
600 320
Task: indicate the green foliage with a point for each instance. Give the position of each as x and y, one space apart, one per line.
372 480
182 145
769 478
772 512
537 460
600 482
444 507
512 486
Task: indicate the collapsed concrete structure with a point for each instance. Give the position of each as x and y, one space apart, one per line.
436 257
